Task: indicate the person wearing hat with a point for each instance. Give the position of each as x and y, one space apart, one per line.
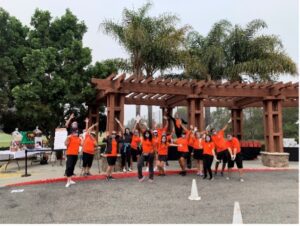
112 147
73 142
89 144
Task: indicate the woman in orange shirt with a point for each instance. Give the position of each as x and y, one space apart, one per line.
88 148
208 156
198 151
112 147
183 150
73 142
147 155
135 145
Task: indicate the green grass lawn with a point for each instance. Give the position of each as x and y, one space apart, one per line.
5 139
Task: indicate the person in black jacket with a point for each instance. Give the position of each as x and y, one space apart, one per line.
177 124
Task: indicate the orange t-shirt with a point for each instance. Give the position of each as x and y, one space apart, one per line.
135 141
74 144
234 144
219 140
191 140
155 141
183 144
178 123
147 146
89 144
160 131
197 144
208 148
163 149
114 151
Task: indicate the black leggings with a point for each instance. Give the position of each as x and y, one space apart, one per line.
70 165
126 155
207 162
149 159
189 159
87 160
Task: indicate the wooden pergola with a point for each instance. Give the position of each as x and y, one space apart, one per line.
116 90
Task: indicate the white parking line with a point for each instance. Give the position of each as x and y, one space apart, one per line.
17 191
237 215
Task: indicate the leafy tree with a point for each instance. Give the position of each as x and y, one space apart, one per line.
290 120
58 72
13 47
152 42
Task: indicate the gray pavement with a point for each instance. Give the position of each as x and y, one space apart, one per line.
264 197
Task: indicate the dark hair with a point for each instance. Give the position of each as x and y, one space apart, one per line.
209 137
212 129
150 135
127 129
162 138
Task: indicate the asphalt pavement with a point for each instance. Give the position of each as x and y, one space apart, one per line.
264 197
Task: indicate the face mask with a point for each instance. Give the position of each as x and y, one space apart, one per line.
214 133
207 139
164 140
74 125
183 136
113 136
146 135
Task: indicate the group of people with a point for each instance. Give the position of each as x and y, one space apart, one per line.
151 146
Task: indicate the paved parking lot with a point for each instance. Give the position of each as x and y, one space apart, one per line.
265 197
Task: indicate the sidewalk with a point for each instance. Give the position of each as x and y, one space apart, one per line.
56 173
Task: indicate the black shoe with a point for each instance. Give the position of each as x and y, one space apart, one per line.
107 178
112 178
163 174
183 173
204 177
211 178
222 174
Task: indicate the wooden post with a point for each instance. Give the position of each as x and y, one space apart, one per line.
273 124
115 109
237 122
196 112
94 117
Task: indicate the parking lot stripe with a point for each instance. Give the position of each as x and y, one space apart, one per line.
237 215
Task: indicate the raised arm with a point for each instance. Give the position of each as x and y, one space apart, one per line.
225 127
86 123
69 120
91 127
120 125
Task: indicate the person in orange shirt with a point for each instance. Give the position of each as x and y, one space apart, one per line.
89 144
190 146
236 156
198 151
73 142
208 156
147 155
112 149
183 150
163 154
222 149
135 145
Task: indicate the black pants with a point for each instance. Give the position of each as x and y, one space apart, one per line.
126 155
70 165
207 162
149 159
189 158
87 160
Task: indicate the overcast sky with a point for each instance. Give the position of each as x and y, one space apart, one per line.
280 15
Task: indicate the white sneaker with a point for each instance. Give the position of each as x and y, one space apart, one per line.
72 182
142 179
68 185
227 178
124 170
150 180
165 168
155 169
129 169
147 169
241 180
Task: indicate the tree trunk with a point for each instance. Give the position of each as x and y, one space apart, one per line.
150 115
207 116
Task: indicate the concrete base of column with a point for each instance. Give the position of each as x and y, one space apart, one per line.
275 159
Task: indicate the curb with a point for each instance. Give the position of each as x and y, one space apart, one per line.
121 175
